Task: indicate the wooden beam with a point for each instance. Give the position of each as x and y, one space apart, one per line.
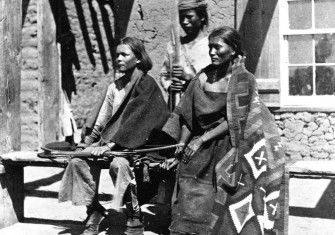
268 85
258 24
10 128
10 74
48 74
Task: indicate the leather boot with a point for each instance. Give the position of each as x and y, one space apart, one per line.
95 214
92 224
134 217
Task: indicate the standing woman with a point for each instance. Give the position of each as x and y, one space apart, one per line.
231 164
126 121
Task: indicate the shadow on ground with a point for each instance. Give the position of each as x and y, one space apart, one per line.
156 216
155 219
323 209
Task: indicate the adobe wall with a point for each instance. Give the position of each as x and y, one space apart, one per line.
92 24
29 75
305 135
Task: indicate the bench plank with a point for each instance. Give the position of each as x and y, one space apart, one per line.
313 168
30 158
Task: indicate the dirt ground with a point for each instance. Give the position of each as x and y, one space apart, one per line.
311 207
44 215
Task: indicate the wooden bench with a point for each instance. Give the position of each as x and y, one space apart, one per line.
305 169
12 182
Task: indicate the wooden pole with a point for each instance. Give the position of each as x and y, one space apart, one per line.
10 128
175 38
10 74
175 57
49 93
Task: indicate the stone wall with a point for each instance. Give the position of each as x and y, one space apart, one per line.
307 136
95 26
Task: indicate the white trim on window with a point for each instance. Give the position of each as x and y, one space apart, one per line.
312 101
289 32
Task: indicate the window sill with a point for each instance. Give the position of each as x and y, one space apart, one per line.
303 109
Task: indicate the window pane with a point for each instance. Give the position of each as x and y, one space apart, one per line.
325 80
300 49
300 14
325 48
301 80
324 13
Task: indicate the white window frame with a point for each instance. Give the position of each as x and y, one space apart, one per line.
313 101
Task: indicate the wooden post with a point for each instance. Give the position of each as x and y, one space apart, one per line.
61 94
48 74
258 24
10 74
10 128
286 199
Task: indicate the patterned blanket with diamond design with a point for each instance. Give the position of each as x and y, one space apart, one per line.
253 167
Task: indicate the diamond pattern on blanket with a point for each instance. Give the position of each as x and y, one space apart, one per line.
257 159
271 209
241 212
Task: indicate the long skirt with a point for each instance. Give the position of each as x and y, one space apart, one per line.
193 211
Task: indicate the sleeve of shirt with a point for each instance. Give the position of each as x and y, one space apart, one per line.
200 55
106 109
103 116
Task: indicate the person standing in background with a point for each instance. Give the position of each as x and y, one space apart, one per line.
194 47
194 55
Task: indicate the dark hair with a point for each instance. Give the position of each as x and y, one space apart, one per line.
201 12
229 36
137 46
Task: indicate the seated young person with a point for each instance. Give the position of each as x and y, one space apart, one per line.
133 108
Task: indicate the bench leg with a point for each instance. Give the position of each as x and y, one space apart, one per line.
11 195
286 200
